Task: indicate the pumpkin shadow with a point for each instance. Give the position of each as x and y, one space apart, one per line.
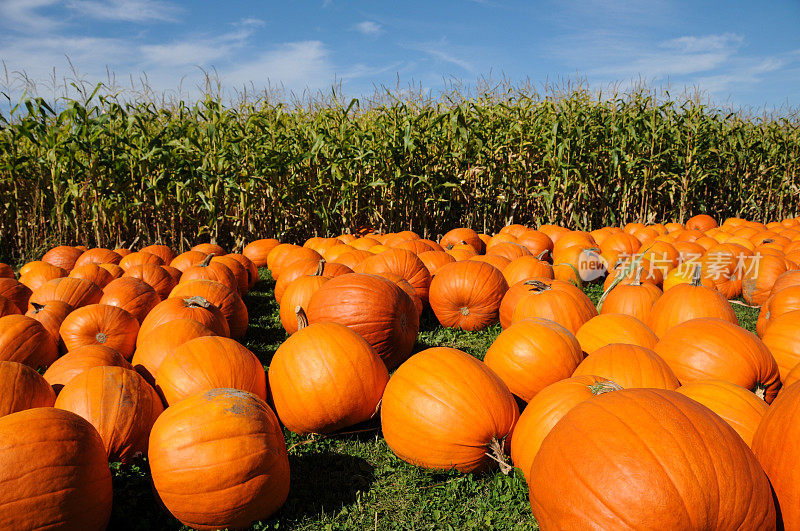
325 482
264 330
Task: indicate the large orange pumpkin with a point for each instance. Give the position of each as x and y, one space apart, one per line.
97 275
164 252
760 273
532 354
400 262
133 295
210 248
162 341
445 409
40 274
249 266
98 255
299 293
227 300
526 267
76 292
782 338
8 308
206 363
22 388
155 276
435 260
219 460
140 258
188 259
62 256
25 340
555 300
372 306
462 235
737 406
119 404
611 328
71 364
666 462
629 366
307 267
193 308
325 378
467 295
709 348
546 409
17 292
100 324
214 271
51 315
258 250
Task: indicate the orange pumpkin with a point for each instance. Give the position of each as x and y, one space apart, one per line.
299 293
555 300
307 267
400 262
162 341
73 291
193 308
41 273
463 235
154 276
532 354
435 260
258 250
140 258
97 275
51 315
325 378
62 256
214 271
782 338
119 404
206 363
635 299
611 328
227 300
71 364
53 472
210 248
467 295
761 272
188 259
702 222
133 295
219 460
7 307
526 267
100 324
98 256
17 292
538 243
249 266
25 340
22 388
444 409
629 366
164 252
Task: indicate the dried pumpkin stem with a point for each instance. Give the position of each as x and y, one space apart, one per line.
497 453
37 307
320 268
537 285
206 261
196 301
697 276
302 318
604 387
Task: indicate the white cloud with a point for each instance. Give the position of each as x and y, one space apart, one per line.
23 14
442 51
295 66
367 27
126 10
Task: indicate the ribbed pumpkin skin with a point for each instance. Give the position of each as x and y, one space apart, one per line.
443 408
685 302
629 366
51 315
435 260
8 308
210 248
633 299
176 308
16 292
373 307
545 410
119 404
298 293
62 256
594 466
213 271
775 445
98 255
465 235
737 406
24 340
400 262
782 338
258 251
95 274
758 281
100 324
555 300
140 258
532 354
22 388
228 301
39 274
325 378
76 292
71 364
526 267
53 472
206 363
703 349
163 341
188 259
306 268
467 295
155 276
219 460
133 295
164 252
611 328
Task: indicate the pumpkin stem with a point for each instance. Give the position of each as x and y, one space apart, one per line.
537 285
37 307
760 391
302 318
101 337
320 268
541 255
637 279
464 311
206 260
767 240
697 275
196 301
604 387
497 453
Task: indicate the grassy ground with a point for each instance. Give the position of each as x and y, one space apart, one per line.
352 480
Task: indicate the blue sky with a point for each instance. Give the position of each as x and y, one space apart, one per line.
739 53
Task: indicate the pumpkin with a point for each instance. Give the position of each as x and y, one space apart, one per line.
499 262
97 275
372 306
71 364
6 271
62 256
40 274
516 229
629 366
241 274
685 302
115 270
435 260
760 273
444 409
51 315
25 340
16 292
209 248
467 295
7 307
307 267
510 299
611 328
249 267
775 445
353 258
408 288
299 293
154 276
417 246
174 272
462 235
53 472
188 259
779 303
123 251
119 404
325 378
140 258
782 338
702 222
285 254
162 341
76 292
546 409
538 243
709 348
526 267
193 308
98 256
737 406
100 324
258 250
400 262
227 300
555 300
206 363
532 354
133 295
22 388
214 271
219 460
509 250
697 473
164 252
635 299
790 278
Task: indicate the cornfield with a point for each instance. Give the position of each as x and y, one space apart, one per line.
105 171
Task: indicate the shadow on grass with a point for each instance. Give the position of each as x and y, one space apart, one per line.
264 333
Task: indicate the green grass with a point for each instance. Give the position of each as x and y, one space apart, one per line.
353 480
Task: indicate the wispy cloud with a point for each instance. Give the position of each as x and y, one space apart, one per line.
126 10
367 27
441 50
25 15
